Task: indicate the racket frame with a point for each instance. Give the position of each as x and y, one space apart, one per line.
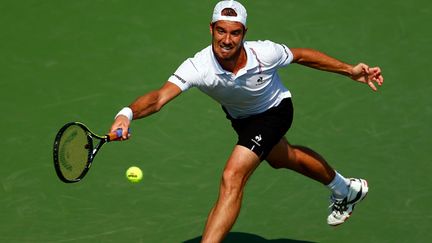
92 150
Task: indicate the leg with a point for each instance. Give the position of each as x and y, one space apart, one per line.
302 160
238 169
309 163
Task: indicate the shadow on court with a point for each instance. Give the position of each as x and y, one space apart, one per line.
236 237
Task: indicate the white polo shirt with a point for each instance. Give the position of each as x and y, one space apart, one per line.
254 89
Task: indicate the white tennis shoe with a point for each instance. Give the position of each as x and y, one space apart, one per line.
341 209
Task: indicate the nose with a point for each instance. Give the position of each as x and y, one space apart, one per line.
226 39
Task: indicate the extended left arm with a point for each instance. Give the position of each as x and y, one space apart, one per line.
318 60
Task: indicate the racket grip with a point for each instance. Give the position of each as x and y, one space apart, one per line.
119 132
116 136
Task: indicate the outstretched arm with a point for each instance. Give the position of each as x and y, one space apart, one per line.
146 105
318 60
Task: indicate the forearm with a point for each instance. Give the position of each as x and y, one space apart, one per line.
154 101
146 105
141 107
318 60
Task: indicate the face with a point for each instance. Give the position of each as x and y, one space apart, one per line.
227 39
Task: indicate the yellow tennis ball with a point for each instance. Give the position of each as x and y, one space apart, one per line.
134 174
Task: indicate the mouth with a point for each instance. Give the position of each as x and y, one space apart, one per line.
225 48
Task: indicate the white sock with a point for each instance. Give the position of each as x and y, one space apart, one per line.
339 186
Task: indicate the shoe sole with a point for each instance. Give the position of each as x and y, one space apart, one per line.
365 190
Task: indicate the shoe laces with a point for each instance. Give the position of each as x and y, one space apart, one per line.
339 206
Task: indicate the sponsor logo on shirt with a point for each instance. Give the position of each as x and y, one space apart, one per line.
180 78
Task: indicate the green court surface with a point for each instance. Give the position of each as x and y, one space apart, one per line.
64 61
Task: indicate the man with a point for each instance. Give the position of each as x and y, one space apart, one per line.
242 77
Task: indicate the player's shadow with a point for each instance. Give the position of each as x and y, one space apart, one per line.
237 237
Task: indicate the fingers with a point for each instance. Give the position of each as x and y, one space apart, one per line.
375 76
126 134
368 75
372 85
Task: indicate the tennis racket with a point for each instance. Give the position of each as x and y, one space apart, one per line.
75 148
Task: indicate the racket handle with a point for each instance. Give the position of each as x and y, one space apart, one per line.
119 132
116 135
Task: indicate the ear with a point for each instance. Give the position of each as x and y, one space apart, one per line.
211 28
244 33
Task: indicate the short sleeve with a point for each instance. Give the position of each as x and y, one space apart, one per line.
272 54
284 55
186 75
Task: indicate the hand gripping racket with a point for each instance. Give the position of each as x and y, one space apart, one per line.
75 148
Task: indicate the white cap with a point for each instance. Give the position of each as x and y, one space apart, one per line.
238 8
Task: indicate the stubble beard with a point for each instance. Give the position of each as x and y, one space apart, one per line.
232 57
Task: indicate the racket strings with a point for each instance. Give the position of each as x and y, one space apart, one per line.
74 152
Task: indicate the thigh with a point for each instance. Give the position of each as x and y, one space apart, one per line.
242 157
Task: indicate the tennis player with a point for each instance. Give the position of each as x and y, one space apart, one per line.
242 76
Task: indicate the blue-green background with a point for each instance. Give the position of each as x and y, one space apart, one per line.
64 61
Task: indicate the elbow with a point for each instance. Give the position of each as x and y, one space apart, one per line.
298 55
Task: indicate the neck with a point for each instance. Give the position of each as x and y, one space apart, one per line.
235 63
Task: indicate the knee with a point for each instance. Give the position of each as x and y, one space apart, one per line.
232 182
